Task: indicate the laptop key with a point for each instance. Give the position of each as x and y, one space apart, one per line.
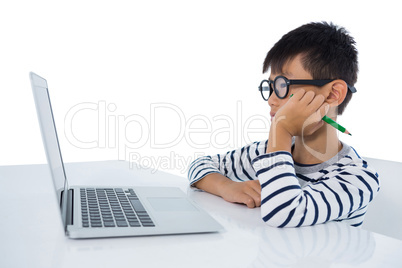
121 223
134 224
131 191
138 207
109 224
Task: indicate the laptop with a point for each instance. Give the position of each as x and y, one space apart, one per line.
92 212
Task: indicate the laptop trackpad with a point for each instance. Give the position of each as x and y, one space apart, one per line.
170 204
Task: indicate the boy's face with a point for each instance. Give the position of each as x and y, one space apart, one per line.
293 70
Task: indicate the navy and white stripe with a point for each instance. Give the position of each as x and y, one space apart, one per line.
295 195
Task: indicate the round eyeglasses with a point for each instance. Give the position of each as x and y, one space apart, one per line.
281 86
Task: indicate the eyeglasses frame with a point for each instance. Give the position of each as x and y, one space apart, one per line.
313 82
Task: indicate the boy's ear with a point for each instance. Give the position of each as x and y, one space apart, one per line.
338 92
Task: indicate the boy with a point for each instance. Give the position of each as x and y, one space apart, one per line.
303 174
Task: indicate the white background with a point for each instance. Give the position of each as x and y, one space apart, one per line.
200 61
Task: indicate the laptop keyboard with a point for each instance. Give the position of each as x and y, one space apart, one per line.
112 207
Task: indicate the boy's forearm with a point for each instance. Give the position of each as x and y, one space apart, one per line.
212 183
279 140
246 192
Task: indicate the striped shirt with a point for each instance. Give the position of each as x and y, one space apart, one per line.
293 194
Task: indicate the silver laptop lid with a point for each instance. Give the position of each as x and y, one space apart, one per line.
50 141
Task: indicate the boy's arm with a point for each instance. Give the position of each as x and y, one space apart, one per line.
229 175
343 193
247 192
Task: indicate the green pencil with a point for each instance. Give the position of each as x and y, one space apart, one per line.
331 122
328 120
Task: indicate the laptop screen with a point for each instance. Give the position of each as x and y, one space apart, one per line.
50 140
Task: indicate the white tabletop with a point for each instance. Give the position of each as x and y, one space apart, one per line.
32 235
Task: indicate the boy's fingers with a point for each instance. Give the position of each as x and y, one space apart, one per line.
249 197
319 114
256 185
308 97
298 95
317 101
254 198
324 109
250 201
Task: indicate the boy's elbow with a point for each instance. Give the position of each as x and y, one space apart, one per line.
278 220
275 223
270 223
285 217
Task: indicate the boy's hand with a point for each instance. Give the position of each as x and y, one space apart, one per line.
247 192
302 114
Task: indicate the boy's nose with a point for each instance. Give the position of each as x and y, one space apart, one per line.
273 100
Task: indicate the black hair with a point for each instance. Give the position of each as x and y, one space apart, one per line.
328 52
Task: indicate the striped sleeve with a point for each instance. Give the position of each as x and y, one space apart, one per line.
342 194
235 165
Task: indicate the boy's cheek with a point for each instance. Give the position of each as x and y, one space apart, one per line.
306 88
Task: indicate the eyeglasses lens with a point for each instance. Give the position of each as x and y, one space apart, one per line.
266 90
280 87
